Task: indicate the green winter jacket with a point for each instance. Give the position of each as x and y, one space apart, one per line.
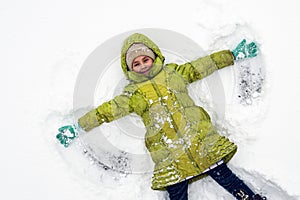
180 136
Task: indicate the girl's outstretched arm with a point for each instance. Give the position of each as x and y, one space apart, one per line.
111 110
204 66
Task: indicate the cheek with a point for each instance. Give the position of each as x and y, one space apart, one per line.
136 69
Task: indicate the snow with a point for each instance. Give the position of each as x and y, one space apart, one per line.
45 43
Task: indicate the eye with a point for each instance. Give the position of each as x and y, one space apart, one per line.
146 60
136 64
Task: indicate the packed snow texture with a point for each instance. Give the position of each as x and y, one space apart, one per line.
43 47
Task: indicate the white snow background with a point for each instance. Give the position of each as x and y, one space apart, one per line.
44 43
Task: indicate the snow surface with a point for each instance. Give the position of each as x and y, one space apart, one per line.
45 43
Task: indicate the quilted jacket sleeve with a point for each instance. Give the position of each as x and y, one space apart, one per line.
107 112
204 66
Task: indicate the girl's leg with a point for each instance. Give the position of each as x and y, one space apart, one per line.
178 191
228 180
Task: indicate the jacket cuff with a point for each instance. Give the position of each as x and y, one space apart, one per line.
223 58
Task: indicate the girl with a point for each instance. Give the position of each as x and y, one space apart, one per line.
180 137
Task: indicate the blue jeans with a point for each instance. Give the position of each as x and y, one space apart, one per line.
223 176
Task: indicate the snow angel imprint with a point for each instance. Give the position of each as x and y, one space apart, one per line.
180 137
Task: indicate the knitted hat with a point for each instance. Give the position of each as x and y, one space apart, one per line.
136 50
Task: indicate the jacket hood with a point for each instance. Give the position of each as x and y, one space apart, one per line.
157 64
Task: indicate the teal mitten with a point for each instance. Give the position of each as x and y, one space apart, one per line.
67 134
244 50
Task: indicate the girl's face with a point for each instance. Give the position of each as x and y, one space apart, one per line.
142 65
